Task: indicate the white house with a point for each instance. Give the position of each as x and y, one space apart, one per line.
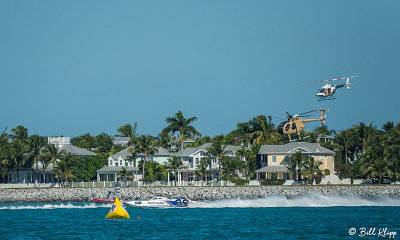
191 157
123 158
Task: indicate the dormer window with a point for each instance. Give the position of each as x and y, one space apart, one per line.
111 162
274 159
120 162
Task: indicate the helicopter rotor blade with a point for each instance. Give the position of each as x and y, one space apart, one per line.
335 79
310 111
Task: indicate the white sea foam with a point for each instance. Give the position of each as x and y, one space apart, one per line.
309 200
52 206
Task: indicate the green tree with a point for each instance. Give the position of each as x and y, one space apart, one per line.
63 170
347 142
20 133
174 163
388 126
202 168
52 154
17 155
311 169
375 164
104 143
218 150
85 168
36 144
128 130
85 141
263 130
229 167
147 146
246 155
124 175
295 163
180 124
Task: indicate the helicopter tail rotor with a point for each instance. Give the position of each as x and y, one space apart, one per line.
324 116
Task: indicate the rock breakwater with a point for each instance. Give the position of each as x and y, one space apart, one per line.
195 193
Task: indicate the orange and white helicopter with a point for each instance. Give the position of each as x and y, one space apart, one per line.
326 92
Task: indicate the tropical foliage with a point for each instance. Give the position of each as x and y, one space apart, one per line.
178 123
361 151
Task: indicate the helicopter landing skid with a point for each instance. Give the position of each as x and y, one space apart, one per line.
325 99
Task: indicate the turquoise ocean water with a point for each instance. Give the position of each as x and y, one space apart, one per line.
308 217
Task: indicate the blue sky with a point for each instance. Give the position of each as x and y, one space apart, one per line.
72 67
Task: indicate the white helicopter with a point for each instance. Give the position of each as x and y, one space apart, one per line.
326 92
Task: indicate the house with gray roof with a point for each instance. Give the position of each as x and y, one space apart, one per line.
191 157
124 158
275 157
44 173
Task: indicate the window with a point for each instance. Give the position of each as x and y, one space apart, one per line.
197 161
111 163
120 162
293 126
273 158
287 127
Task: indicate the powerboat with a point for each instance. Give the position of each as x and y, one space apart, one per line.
158 202
155 202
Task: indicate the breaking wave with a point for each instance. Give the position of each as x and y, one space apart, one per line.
309 200
52 206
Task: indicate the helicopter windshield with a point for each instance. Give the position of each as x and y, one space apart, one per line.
322 90
287 127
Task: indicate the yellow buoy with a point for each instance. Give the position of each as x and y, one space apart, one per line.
117 211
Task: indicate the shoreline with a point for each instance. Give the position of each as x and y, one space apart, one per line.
31 195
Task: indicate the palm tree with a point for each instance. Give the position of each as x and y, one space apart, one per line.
63 171
20 133
202 168
375 163
392 150
218 150
245 154
388 126
179 124
174 163
364 134
127 130
147 146
263 130
311 169
295 163
36 144
17 155
379 168
244 130
347 140
124 174
52 153
104 143
229 166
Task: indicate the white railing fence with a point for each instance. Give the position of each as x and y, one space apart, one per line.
107 184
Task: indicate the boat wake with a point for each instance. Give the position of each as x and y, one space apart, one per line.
309 200
52 206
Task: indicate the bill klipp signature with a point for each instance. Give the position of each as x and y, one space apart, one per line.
373 231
